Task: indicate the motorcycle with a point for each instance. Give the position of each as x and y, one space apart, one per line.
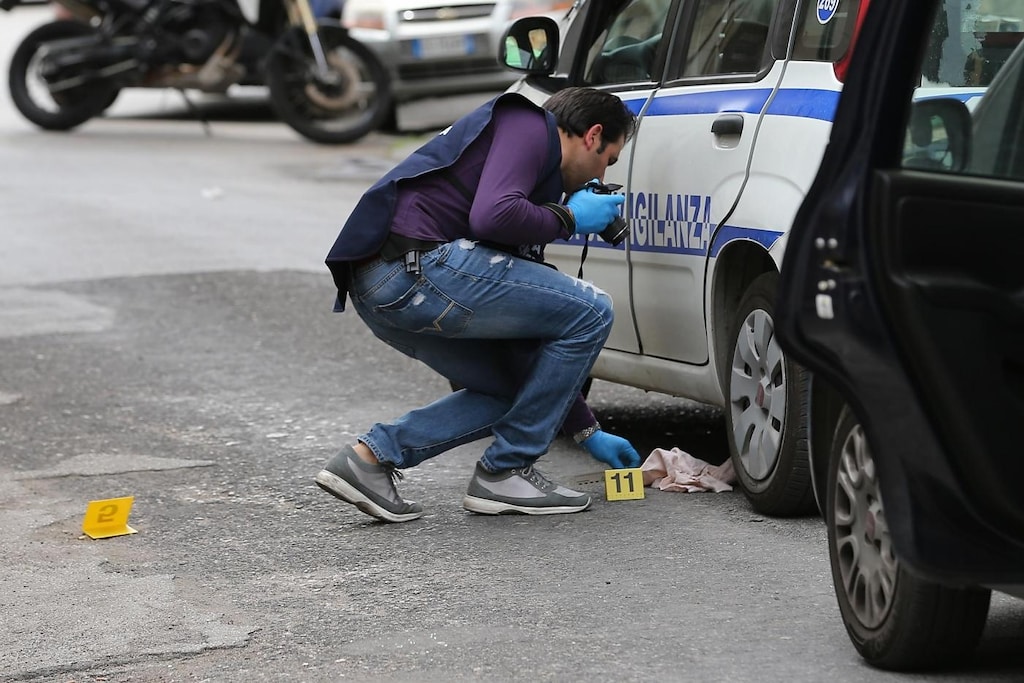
323 83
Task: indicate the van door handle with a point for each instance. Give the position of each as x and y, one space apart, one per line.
728 124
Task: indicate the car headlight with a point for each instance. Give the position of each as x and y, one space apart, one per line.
526 8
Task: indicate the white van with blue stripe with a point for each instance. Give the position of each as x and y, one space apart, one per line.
735 100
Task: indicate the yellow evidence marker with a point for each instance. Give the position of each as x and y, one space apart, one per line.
626 484
107 518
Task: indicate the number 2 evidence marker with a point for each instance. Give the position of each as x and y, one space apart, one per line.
627 484
108 518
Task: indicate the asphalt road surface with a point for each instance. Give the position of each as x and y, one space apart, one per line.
166 333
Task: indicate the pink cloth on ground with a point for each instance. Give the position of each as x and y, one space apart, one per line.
676 470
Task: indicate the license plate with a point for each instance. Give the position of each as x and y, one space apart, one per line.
443 46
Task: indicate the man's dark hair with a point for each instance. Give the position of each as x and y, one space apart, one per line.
577 109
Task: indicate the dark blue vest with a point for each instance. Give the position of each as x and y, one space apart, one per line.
369 223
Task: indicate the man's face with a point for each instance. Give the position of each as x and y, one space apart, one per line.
587 156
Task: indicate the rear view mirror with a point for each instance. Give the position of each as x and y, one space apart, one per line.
530 45
938 135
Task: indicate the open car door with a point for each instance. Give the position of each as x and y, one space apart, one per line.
903 288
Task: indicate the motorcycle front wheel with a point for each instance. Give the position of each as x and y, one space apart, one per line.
352 99
59 100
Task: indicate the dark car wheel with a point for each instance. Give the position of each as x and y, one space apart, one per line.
895 619
766 411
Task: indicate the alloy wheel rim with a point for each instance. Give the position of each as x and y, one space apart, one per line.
758 395
863 546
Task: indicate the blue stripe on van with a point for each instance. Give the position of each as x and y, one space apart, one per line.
966 96
748 101
731 233
807 103
728 233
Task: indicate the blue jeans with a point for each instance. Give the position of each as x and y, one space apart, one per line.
519 336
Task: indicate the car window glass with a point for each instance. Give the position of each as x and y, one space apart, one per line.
625 49
974 60
826 30
728 36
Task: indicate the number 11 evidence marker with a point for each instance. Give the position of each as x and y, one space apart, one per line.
627 484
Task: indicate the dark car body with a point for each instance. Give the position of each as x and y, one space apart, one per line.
903 293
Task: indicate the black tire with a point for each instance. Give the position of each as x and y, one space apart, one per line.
895 619
766 409
329 113
111 99
31 95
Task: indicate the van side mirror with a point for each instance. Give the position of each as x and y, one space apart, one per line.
530 45
938 135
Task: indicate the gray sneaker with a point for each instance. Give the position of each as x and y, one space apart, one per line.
371 488
524 491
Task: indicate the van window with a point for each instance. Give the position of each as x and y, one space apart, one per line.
826 29
729 36
625 50
975 56
970 41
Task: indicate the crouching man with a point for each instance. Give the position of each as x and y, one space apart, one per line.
443 260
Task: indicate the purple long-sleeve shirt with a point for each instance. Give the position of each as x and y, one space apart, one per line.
500 169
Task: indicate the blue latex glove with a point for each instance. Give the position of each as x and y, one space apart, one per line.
611 450
593 212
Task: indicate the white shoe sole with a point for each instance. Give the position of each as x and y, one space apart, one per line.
484 506
341 489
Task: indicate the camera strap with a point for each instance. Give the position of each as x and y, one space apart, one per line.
583 255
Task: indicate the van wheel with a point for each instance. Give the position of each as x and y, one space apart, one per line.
766 410
895 619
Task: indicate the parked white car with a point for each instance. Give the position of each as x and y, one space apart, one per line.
433 48
735 100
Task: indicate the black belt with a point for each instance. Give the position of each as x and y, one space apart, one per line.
397 246
401 247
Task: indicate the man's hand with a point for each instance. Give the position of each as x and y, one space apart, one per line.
612 450
593 212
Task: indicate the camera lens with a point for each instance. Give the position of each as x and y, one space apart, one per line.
616 231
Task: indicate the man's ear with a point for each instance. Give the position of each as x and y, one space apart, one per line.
592 137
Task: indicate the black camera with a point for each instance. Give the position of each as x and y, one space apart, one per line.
616 231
